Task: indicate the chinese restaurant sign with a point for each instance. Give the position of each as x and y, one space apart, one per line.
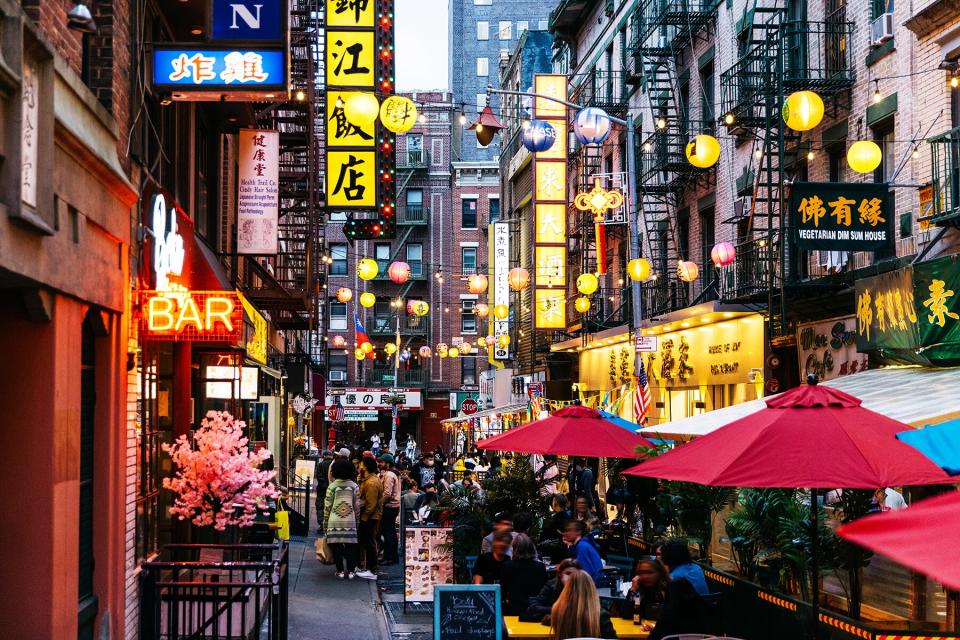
258 195
841 216
912 314
550 208
376 399
221 70
501 285
828 349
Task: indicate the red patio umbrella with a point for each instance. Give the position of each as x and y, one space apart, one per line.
572 431
924 537
811 437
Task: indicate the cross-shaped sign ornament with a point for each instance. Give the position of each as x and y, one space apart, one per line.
598 200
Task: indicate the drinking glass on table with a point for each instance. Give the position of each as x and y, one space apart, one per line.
545 560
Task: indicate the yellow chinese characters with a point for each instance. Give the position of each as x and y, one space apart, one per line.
870 212
864 314
812 210
840 209
937 303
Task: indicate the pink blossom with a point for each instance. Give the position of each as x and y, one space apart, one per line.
218 480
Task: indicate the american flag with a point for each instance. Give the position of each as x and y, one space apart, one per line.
395 415
336 412
641 397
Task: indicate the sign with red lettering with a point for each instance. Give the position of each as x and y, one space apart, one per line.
210 316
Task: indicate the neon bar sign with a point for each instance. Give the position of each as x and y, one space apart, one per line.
195 315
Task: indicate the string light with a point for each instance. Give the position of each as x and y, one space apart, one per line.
661 123
810 155
916 152
955 81
300 95
729 119
876 92
758 154
463 118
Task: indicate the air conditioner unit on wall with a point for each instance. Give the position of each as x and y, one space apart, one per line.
881 29
338 376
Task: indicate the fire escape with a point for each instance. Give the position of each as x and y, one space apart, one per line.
286 287
662 31
781 52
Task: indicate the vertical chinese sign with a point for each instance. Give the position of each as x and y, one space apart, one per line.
501 285
550 208
258 195
359 158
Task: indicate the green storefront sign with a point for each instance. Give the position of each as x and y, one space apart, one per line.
911 315
839 216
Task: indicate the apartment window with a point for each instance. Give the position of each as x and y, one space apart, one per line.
486 3
381 253
483 30
883 136
468 319
338 315
481 101
494 210
483 67
414 211
837 157
337 362
339 254
468 371
415 259
522 26
505 29
337 216
879 7
707 238
469 220
469 258
707 97
542 25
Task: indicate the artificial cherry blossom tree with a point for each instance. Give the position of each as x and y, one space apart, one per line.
218 480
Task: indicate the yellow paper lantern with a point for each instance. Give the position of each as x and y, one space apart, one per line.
501 312
587 283
503 340
703 151
482 310
390 348
418 307
441 354
864 156
582 304
398 114
477 284
688 271
453 352
367 269
638 269
366 347
802 110
367 299
466 348
361 108
359 354
344 294
518 278
441 347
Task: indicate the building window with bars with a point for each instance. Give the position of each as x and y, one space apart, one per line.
468 256
415 259
338 252
468 319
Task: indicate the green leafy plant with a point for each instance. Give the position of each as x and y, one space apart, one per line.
847 559
516 489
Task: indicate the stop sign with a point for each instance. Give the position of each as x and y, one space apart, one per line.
468 406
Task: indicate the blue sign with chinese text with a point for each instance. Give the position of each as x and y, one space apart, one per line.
247 20
221 68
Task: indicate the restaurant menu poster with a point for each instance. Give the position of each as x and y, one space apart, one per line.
428 561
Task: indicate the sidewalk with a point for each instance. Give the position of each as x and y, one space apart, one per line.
325 608
417 622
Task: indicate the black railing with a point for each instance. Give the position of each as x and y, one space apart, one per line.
414 214
600 88
413 378
674 19
944 197
410 325
298 501
216 591
749 274
413 159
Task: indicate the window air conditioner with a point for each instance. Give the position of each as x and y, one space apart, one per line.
881 29
338 376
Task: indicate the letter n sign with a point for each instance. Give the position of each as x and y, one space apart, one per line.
249 20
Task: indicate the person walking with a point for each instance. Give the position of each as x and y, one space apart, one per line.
371 496
391 509
323 482
341 507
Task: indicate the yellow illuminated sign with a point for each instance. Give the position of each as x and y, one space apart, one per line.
351 58
598 200
257 342
343 132
559 149
554 86
350 13
351 179
551 263
551 223
550 308
551 181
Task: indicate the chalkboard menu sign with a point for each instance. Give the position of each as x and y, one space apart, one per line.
467 612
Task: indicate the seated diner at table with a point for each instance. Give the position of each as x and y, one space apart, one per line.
581 548
541 603
521 577
577 612
488 568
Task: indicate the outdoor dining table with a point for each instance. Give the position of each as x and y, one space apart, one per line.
517 629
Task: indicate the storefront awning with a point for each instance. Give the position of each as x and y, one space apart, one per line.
510 408
914 395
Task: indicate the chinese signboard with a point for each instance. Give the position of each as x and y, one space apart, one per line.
28 133
258 195
606 368
841 216
501 284
550 208
377 399
351 179
256 340
222 70
828 348
886 312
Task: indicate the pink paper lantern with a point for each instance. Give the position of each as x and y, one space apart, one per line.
399 272
723 253
339 341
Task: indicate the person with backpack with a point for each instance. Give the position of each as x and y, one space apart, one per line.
340 514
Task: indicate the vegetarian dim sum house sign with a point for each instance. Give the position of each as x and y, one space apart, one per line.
838 216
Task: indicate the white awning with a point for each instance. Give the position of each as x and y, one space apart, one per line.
914 395
510 408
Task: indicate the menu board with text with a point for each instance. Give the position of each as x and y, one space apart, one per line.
428 561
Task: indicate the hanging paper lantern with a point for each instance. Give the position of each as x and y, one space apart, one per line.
802 110
361 108
539 135
366 347
688 271
453 352
338 342
372 355
367 269
582 304
404 355
390 348
587 283
477 283
722 254
466 348
591 126
367 299
359 354
490 340
441 354
500 312
703 151
482 310
398 114
504 340
418 307
344 294
441 347
519 278
399 272
864 156
638 269
424 352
